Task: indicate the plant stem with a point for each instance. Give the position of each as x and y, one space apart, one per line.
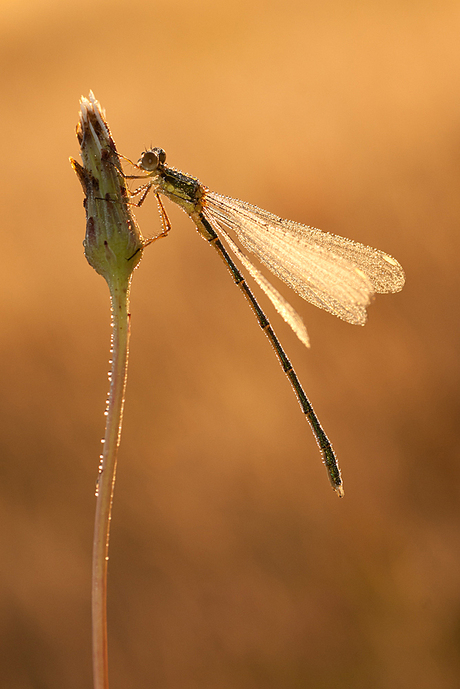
113 247
119 294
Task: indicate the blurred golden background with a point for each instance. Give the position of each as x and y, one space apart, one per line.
233 564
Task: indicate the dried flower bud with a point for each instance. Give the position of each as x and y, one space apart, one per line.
113 242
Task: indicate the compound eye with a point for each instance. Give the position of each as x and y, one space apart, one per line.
149 160
161 155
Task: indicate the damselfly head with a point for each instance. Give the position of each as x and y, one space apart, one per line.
152 159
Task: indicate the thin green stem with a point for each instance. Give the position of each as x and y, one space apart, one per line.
119 294
113 247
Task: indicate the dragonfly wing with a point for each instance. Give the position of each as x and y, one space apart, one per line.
283 307
334 273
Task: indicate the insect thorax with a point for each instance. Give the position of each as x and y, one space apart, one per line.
184 190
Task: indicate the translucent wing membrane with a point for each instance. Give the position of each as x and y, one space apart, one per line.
333 273
283 307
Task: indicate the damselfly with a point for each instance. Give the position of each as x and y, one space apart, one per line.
334 273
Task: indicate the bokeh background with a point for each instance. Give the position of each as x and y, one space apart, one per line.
233 564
